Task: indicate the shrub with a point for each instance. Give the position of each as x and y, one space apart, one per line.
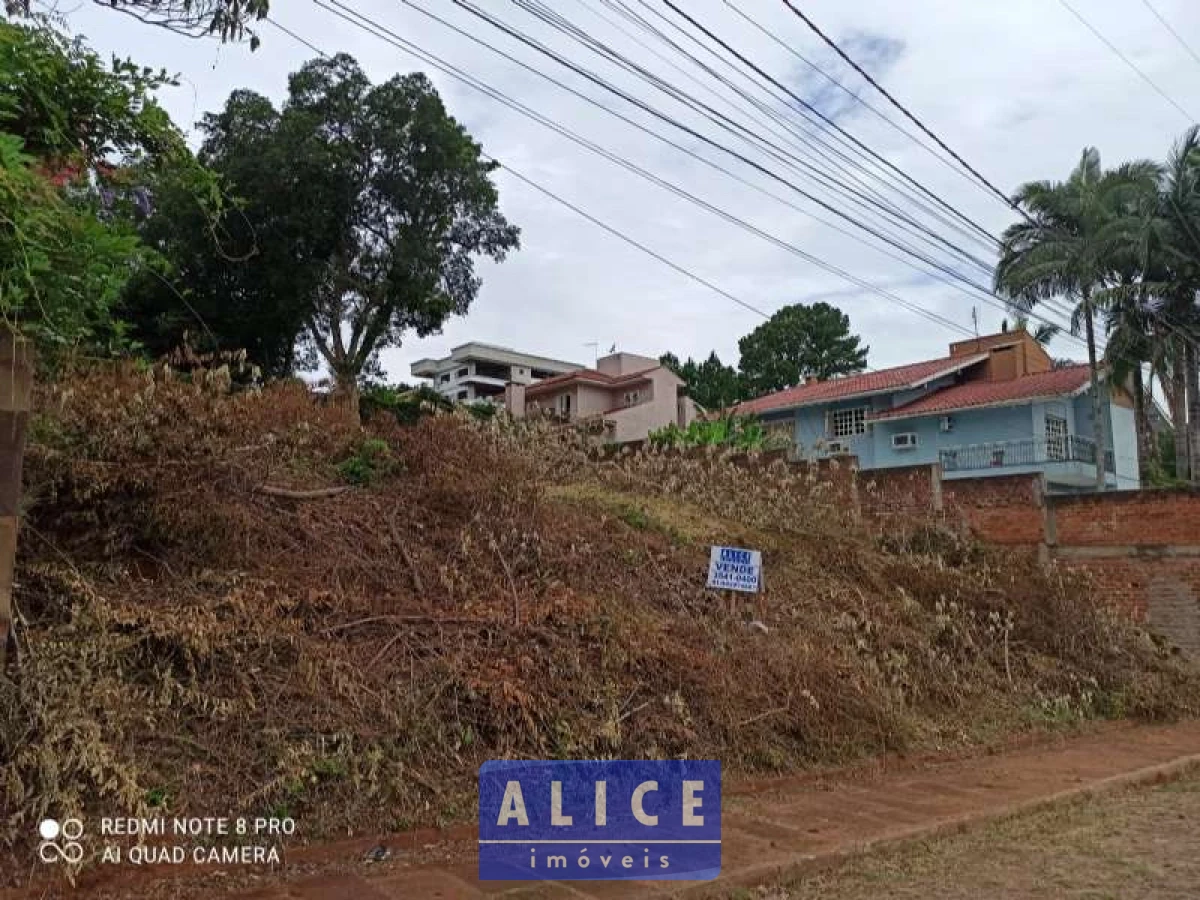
736 432
372 461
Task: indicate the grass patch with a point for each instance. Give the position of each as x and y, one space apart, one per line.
679 521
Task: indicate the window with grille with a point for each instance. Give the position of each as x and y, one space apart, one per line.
1056 437
848 422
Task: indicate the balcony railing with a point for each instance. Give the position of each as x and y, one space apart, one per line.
1029 452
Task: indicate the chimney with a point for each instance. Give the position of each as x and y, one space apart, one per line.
514 399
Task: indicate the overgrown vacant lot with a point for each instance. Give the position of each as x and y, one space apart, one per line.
1140 843
198 640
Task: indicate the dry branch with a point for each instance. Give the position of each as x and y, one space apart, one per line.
290 494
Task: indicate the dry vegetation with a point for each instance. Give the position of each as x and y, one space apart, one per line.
484 590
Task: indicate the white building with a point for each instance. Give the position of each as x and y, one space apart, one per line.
477 371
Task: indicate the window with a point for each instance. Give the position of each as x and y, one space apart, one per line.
462 395
564 405
462 373
445 378
848 422
633 398
1056 437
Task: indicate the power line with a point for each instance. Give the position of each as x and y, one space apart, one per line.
1054 306
1125 59
524 110
715 116
374 28
454 72
900 106
546 191
986 294
1175 34
1008 201
817 137
853 95
566 203
812 109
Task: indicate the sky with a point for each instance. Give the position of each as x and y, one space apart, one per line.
1017 89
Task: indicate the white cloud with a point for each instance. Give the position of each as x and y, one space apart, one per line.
1018 89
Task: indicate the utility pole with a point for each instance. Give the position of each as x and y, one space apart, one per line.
16 385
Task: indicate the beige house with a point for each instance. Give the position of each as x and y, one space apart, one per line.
623 399
477 371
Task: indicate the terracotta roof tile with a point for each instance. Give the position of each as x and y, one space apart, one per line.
1054 383
896 378
589 375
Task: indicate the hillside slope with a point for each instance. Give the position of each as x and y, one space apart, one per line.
197 640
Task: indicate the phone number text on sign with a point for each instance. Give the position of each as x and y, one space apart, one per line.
599 819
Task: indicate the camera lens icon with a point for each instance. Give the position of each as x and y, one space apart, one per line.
69 849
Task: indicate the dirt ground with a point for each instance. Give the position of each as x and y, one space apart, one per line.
1142 843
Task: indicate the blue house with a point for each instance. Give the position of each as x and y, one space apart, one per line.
994 406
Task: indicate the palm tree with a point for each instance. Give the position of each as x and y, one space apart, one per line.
1181 211
1065 248
1152 311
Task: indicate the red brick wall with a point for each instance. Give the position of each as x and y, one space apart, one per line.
1135 518
1141 549
841 471
1002 509
902 493
1163 591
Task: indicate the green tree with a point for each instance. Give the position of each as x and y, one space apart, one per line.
245 279
367 207
227 19
710 383
1151 311
67 246
799 342
74 132
1069 247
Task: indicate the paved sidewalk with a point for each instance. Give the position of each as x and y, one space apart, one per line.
780 826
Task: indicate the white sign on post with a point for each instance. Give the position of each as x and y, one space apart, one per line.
734 569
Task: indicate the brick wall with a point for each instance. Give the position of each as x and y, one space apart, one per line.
1135 518
1141 549
902 494
1002 509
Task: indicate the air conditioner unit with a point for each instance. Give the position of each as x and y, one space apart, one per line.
946 424
905 440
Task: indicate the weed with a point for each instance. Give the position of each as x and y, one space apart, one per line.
473 600
373 460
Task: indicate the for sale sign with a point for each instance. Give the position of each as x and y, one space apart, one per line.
735 569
